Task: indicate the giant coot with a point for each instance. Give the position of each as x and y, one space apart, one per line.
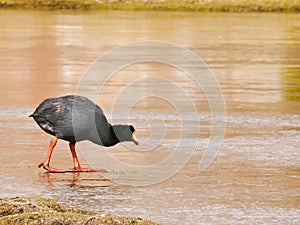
72 118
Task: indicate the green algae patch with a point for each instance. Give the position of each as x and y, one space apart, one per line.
290 82
17 211
166 5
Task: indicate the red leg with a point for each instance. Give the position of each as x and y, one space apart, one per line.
46 163
77 167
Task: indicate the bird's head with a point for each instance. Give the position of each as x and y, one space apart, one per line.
125 133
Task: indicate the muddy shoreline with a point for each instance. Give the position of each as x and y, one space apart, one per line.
159 5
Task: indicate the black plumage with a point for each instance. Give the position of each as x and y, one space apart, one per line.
75 118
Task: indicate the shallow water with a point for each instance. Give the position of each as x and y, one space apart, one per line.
255 59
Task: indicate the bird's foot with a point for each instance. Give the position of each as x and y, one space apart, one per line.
88 170
50 169
70 170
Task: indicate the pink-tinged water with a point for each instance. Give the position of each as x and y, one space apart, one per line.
255 57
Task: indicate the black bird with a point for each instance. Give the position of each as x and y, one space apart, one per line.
75 118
